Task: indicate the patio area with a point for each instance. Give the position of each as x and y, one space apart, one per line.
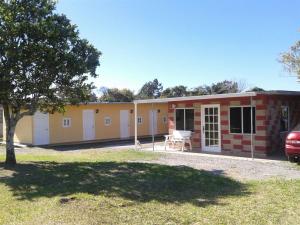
159 146
203 121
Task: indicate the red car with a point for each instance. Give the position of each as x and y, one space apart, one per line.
292 145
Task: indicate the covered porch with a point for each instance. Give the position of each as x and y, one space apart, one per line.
203 116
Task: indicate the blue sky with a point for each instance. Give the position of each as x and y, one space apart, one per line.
188 42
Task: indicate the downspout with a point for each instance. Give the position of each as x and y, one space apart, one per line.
135 126
251 110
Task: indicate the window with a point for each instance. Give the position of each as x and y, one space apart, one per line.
165 120
66 122
107 121
240 120
180 119
284 118
189 119
185 119
235 120
247 120
139 120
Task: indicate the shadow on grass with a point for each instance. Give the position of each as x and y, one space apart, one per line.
102 144
141 182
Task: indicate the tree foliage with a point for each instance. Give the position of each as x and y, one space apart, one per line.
177 91
257 89
116 95
222 87
151 89
154 89
291 59
92 97
44 64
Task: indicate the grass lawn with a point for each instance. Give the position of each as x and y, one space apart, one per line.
108 187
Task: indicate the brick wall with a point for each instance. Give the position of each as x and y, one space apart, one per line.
241 143
230 143
276 139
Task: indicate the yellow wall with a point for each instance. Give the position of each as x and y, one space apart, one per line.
143 111
59 134
23 132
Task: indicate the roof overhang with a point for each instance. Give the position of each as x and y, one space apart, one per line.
191 98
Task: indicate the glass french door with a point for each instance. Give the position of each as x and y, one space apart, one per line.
210 137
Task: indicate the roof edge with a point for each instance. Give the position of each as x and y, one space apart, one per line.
200 97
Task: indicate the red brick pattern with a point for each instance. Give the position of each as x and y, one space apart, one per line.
267 137
246 142
229 142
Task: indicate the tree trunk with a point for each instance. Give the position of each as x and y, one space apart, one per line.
10 123
10 149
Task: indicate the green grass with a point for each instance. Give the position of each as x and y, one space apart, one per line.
108 187
38 155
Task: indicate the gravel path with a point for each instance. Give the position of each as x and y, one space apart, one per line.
235 167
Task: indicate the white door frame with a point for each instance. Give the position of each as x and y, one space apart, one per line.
88 135
153 124
37 139
124 135
210 148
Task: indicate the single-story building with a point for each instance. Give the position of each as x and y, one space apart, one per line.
238 123
92 122
250 123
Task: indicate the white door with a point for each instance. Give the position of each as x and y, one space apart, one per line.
211 138
153 122
88 122
41 128
124 124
